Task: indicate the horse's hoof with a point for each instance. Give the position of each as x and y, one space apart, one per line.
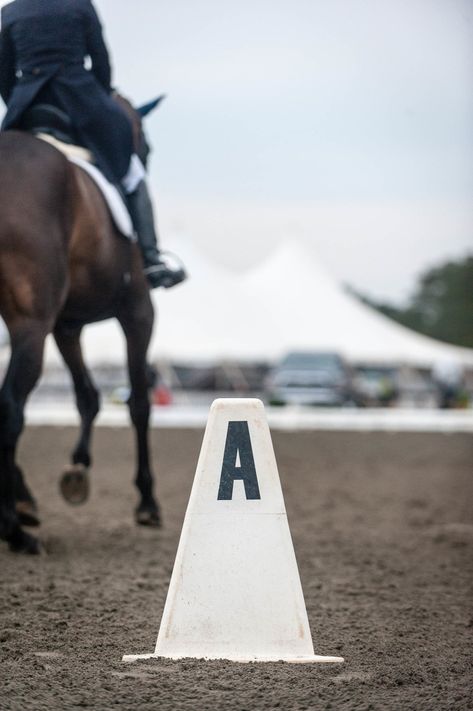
148 517
74 484
21 542
27 513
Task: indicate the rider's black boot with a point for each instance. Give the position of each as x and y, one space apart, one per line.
158 273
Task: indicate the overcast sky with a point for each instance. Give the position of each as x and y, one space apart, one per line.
345 123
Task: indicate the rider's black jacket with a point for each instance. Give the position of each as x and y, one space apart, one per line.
43 45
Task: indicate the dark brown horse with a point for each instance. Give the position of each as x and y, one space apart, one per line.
63 265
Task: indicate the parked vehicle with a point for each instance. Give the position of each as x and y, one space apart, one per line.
311 378
377 385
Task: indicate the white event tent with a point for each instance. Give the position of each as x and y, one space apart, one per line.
286 303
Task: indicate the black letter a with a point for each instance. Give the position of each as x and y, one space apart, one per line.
238 442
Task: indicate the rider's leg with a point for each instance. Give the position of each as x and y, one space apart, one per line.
157 271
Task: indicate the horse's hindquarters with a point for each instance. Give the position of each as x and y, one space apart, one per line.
35 221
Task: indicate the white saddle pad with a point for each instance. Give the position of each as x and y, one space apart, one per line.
81 157
112 197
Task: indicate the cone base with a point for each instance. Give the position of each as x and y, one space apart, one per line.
313 659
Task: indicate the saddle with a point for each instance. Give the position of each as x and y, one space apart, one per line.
54 126
49 120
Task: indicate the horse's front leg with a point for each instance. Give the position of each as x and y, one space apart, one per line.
137 323
75 479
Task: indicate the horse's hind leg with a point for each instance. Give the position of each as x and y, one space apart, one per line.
75 480
26 507
27 344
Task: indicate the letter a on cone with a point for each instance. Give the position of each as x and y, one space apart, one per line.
235 591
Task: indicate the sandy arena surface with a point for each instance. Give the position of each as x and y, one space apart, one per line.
383 531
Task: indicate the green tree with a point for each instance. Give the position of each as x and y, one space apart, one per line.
442 304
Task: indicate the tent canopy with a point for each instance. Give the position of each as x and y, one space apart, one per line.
287 303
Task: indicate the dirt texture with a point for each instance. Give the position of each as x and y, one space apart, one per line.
383 531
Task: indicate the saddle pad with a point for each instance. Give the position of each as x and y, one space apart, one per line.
82 157
68 149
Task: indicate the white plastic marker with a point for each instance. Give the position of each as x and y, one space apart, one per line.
235 591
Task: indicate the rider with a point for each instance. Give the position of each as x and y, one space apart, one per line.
43 47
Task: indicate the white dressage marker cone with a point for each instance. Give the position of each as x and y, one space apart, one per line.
235 591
